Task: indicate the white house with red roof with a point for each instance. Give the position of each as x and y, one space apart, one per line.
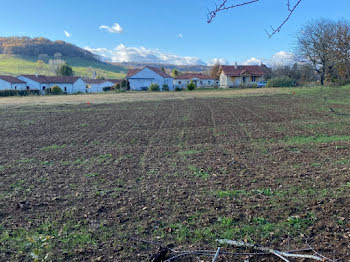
201 80
240 75
11 83
141 79
68 84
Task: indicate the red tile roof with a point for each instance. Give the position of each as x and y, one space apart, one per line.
52 79
115 81
132 72
12 80
96 81
253 70
194 75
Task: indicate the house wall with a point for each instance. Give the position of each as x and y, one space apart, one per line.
4 85
226 81
146 77
97 88
66 88
201 83
33 85
78 86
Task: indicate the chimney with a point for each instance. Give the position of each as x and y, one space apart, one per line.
236 65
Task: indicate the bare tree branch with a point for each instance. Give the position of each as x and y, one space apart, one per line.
223 6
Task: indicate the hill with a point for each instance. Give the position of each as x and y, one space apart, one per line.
16 65
35 47
169 67
20 55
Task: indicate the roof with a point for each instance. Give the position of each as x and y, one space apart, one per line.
231 70
96 81
12 80
132 72
52 79
195 75
115 81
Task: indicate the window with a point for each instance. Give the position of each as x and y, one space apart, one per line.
201 82
27 87
44 88
65 89
179 82
15 87
244 79
253 78
209 82
188 82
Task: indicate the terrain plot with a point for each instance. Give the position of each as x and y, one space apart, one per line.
78 180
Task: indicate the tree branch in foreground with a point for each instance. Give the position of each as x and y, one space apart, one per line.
223 6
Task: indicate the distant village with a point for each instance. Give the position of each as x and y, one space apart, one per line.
228 76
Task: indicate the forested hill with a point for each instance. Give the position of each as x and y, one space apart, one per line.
34 47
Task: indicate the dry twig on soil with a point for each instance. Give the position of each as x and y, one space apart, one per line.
281 254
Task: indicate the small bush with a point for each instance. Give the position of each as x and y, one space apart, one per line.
55 90
154 87
117 87
191 86
283 81
177 88
165 87
107 88
253 85
23 93
8 92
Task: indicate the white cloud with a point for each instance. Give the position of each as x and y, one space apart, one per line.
141 54
67 33
220 61
179 36
282 58
278 59
252 61
116 28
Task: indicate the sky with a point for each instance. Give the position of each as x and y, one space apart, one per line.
168 31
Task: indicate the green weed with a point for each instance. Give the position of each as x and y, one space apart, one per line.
53 147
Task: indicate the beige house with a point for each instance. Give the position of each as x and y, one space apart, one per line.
240 75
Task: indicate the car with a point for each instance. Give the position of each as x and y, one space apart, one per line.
261 84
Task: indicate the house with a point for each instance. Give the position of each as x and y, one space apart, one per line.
11 83
200 80
68 84
141 79
240 75
97 85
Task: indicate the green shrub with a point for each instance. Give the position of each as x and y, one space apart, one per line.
154 87
253 85
107 88
191 86
55 90
8 92
117 87
177 88
165 87
282 81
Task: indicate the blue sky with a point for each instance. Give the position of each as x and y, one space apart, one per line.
163 30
